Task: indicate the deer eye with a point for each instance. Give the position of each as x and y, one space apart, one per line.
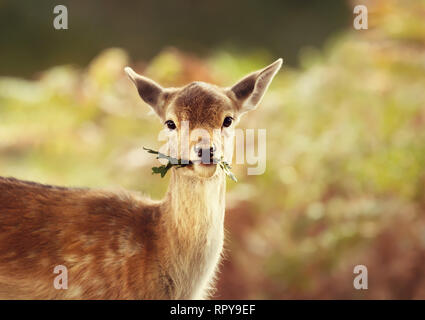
170 124
227 122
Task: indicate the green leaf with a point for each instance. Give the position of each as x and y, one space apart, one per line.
162 170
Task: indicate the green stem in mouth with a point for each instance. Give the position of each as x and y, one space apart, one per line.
179 163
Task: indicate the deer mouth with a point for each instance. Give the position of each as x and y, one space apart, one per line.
212 162
205 170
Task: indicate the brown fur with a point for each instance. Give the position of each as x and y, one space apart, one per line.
101 237
202 105
120 245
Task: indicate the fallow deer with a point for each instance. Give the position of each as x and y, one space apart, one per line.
120 245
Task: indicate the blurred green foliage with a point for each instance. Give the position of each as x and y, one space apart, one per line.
345 174
143 27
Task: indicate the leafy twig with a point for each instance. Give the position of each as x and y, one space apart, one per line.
162 170
179 163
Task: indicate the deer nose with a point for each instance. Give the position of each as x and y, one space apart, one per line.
207 153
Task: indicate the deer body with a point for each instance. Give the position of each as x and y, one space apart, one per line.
118 244
114 245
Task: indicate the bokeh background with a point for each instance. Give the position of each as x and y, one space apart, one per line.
345 120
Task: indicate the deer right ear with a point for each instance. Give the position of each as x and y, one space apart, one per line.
148 90
250 90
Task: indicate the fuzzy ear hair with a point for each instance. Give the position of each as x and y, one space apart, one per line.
250 90
148 90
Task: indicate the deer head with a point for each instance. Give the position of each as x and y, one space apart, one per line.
203 115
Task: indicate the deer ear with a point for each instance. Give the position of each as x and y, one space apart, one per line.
149 90
251 89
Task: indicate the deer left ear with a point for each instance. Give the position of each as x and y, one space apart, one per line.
250 90
150 91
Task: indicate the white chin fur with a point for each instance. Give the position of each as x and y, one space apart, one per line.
205 171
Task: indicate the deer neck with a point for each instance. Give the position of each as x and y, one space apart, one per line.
195 227
196 200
